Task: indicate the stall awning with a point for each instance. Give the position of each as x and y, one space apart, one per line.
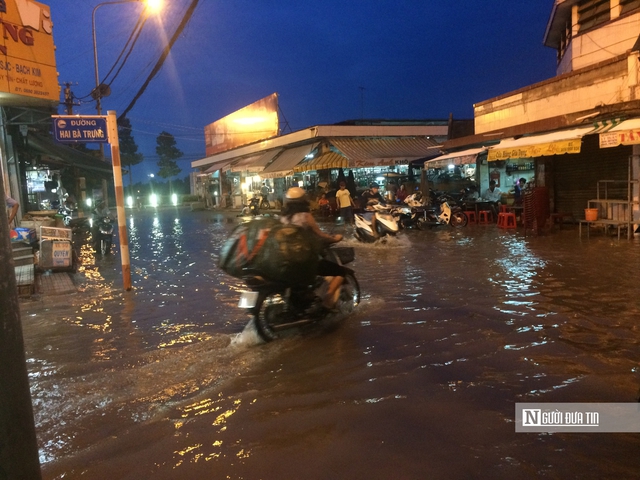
555 143
463 157
625 133
222 164
283 165
384 151
326 160
64 155
255 163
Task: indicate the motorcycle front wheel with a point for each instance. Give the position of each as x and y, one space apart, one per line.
459 219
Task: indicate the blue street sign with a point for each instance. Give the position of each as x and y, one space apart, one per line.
80 128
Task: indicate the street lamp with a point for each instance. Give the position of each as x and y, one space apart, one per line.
103 90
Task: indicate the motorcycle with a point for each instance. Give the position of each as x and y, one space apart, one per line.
279 310
253 208
69 221
102 233
264 201
407 217
377 224
444 211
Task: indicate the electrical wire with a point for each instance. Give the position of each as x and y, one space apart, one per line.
133 38
163 56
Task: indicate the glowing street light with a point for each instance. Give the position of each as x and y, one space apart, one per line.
153 6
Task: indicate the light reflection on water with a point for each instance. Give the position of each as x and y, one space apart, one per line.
455 326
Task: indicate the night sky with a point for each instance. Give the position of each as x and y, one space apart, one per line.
329 61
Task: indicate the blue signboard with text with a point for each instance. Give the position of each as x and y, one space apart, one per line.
80 128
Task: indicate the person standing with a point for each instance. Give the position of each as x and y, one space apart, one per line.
345 203
518 191
12 207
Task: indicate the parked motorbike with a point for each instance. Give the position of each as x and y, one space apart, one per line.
443 211
102 233
279 310
69 221
408 217
376 224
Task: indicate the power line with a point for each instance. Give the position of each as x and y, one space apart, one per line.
163 57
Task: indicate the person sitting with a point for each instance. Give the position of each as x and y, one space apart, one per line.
323 205
296 211
372 196
470 194
493 195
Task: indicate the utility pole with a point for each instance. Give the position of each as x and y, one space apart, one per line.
68 98
18 444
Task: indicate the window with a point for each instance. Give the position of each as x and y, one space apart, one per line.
629 5
592 13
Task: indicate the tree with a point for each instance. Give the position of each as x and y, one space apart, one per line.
129 155
168 153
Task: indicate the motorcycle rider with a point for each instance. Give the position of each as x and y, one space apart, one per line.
370 198
297 211
99 212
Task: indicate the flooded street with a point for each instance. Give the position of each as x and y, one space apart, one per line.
455 327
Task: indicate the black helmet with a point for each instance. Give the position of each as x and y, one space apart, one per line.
374 185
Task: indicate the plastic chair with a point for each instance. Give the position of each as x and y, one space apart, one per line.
471 215
485 217
507 220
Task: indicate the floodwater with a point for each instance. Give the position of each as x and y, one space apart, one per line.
455 327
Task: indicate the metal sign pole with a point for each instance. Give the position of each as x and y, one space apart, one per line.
112 132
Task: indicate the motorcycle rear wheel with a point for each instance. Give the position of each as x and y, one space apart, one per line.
349 297
269 311
265 205
459 219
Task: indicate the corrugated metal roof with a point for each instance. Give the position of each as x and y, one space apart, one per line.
326 160
284 163
383 151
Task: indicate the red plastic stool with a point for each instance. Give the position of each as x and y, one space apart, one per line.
503 209
507 220
485 217
471 215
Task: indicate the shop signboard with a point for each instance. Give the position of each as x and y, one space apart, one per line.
258 121
27 54
624 137
80 128
537 150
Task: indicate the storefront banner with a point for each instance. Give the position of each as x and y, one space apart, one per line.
27 52
381 162
539 150
625 137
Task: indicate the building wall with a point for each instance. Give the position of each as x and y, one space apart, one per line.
612 82
603 43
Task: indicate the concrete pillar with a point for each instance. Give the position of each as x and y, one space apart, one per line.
18 445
